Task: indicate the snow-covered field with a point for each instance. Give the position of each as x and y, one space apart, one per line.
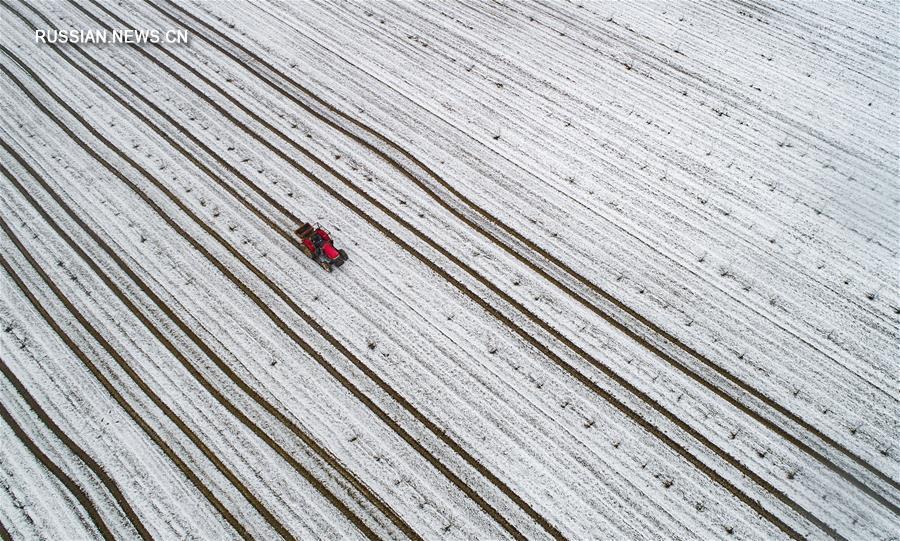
617 270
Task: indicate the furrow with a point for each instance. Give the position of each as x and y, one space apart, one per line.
646 399
111 486
98 374
74 488
290 332
323 454
635 320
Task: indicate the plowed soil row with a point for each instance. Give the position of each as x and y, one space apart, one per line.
322 453
74 488
497 314
110 388
111 486
291 333
539 259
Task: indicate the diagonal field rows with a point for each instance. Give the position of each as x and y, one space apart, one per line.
462 376
490 220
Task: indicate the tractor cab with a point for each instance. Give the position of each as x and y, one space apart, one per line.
317 245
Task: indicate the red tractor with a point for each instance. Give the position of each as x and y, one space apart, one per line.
317 245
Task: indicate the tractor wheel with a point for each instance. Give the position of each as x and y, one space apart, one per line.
306 250
326 266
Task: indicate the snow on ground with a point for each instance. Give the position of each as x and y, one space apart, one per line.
616 270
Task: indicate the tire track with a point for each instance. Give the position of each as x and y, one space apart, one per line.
857 304
307 439
239 528
106 383
217 360
700 438
577 375
756 311
122 84
111 486
531 246
70 485
477 466
701 466
526 245
263 435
